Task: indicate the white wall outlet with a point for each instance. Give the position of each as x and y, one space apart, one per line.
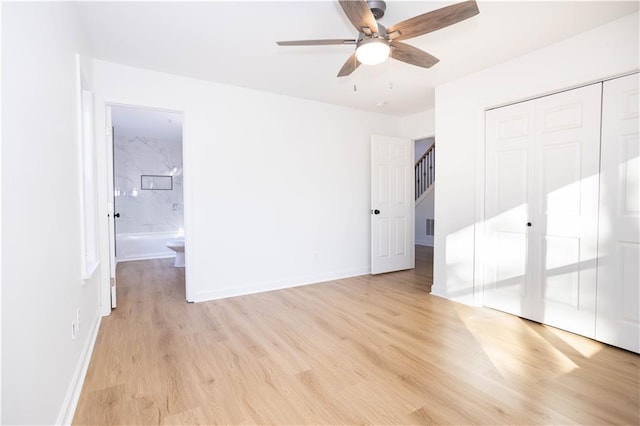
74 331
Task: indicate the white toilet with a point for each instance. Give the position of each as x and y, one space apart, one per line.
178 247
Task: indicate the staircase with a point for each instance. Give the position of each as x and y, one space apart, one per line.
425 171
425 178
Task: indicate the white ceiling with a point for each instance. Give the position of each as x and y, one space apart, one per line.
142 122
234 43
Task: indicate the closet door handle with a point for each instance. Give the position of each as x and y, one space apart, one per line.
116 215
528 223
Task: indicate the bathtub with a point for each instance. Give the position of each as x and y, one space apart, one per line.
144 245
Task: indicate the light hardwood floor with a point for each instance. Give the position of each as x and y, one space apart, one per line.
364 350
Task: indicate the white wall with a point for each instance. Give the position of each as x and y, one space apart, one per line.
605 51
41 215
277 189
419 125
424 210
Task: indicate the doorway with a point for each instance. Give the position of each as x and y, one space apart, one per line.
147 187
424 174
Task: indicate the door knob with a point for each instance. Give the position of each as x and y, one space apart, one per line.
528 223
116 215
376 211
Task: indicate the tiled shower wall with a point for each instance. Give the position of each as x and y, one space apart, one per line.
147 211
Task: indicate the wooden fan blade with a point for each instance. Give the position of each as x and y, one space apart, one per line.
349 66
412 55
432 21
316 42
360 15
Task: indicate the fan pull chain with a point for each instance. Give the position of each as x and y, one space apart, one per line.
355 65
391 69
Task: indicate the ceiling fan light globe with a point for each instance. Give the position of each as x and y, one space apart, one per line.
372 51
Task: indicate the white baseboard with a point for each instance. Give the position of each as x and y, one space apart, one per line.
425 242
278 285
68 409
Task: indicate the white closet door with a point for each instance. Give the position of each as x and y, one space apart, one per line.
618 313
564 207
541 208
509 141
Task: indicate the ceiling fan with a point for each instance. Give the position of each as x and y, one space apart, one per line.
375 43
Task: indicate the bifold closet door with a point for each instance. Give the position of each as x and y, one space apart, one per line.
509 139
564 209
541 208
618 313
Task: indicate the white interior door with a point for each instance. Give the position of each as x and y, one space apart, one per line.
564 207
509 138
111 205
618 311
392 204
541 208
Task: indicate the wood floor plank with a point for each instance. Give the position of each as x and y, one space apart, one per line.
364 350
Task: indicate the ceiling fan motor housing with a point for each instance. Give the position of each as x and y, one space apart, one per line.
377 8
382 33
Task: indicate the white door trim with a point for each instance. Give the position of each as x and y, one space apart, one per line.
109 139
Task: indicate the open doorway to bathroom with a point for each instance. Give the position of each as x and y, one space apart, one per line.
148 196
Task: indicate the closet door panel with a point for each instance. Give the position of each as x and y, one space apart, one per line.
509 133
560 181
565 209
618 313
562 278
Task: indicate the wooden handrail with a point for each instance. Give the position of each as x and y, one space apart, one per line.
431 148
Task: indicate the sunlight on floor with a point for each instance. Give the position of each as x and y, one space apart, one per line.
586 347
518 336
